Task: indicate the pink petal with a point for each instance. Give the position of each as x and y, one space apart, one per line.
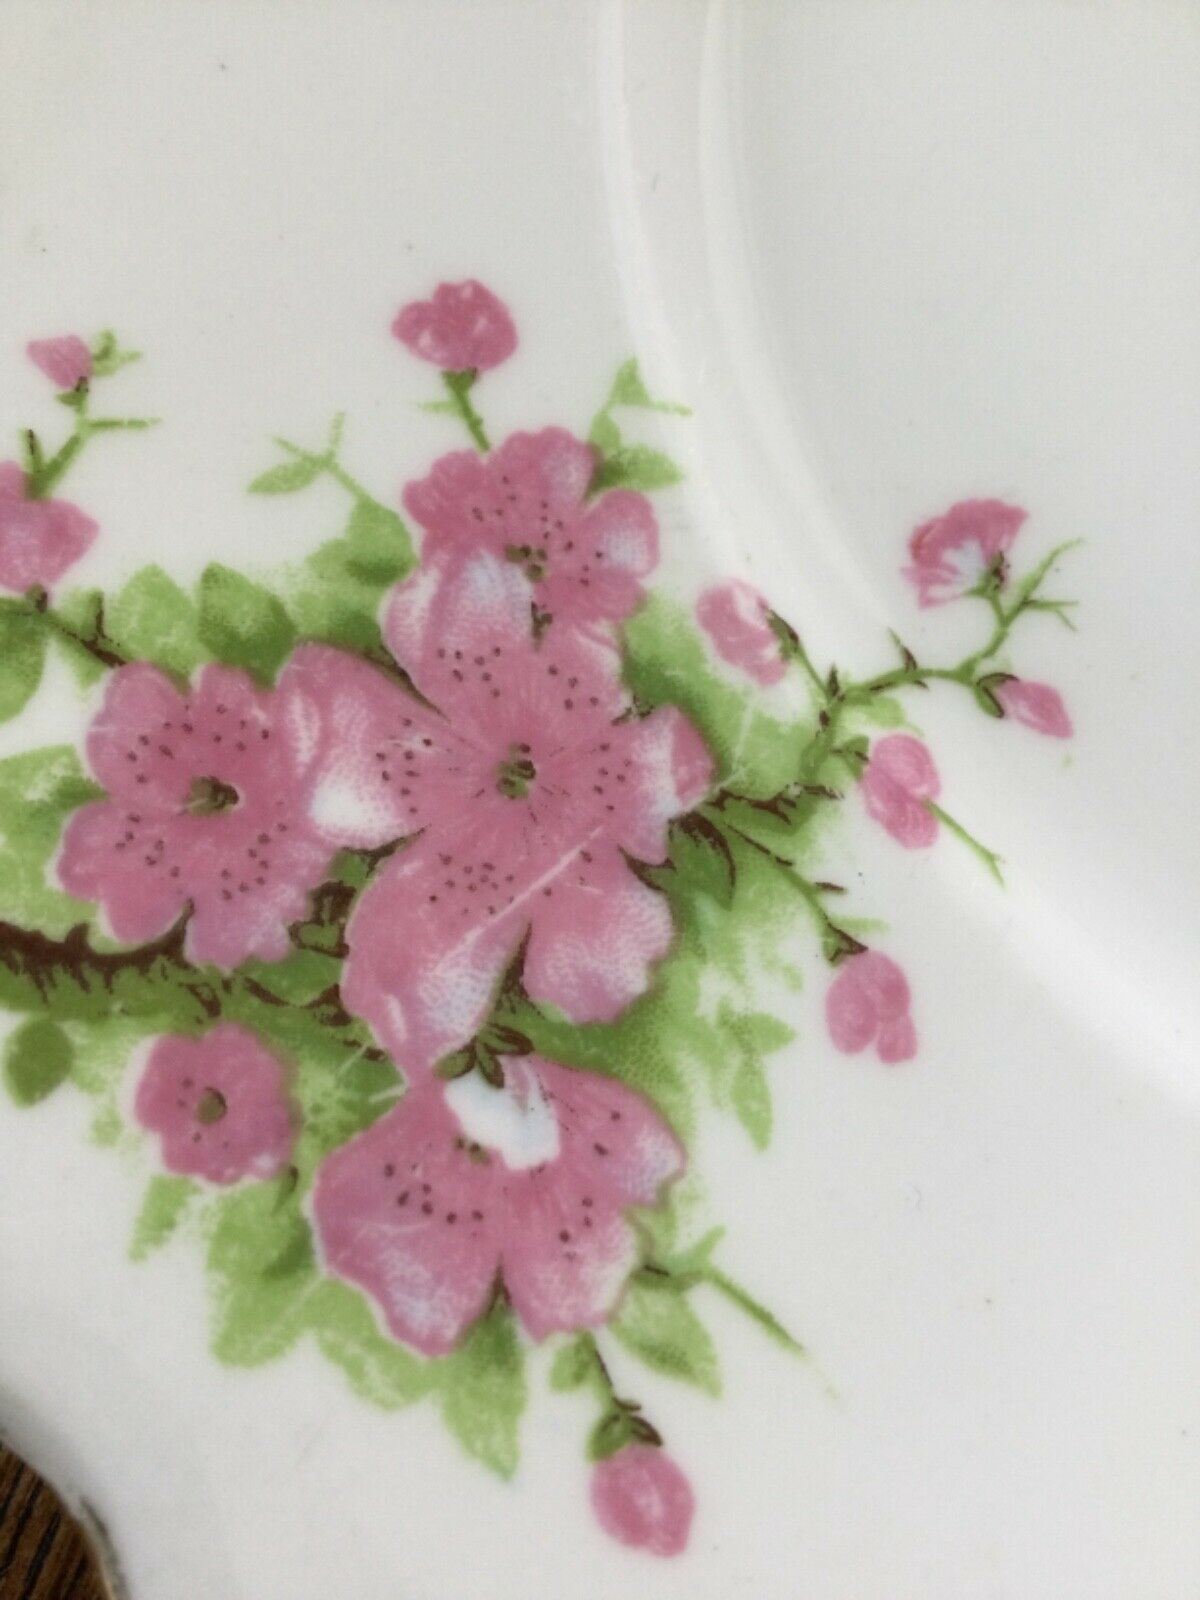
252 1135
66 360
439 620
139 699
1038 705
424 957
897 1040
641 1498
569 1249
952 552
559 1283
595 938
97 862
463 326
410 1215
669 771
736 618
376 756
39 539
900 777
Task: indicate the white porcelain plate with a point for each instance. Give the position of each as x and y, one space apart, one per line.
598 854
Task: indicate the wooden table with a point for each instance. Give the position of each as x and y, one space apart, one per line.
43 1555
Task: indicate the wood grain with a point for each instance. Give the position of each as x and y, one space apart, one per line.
43 1554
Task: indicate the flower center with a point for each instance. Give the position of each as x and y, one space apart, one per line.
211 1107
530 558
515 776
210 795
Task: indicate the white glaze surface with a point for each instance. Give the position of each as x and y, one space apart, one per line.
892 256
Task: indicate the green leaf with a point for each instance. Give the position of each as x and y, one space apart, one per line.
259 1310
289 476
667 663
301 978
627 387
701 856
484 1392
884 711
152 619
658 1325
37 1058
166 1200
380 1370
22 655
751 1100
604 433
242 623
38 791
636 466
378 547
572 1366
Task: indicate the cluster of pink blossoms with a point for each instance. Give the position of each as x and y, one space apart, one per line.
955 555
506 788
510 792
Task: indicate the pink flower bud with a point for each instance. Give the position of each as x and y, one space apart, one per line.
66 361
39 539
953 552
642 1498
899 778
1037 705
736 619
867 1003
219 1104
463 327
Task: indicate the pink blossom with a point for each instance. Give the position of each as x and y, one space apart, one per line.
463 327
1038 705
206 813
899 778
737 620
66 361
39 539
462 1186
527 503
219 1104
952 553
868 1003
524 792
642 1498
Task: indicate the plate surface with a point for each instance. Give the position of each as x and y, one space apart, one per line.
860 308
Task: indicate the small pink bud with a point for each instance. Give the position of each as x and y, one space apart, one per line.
462 327
737 620
66 361
39 539
868 1003
899 778
1037 705
642 1498
952 553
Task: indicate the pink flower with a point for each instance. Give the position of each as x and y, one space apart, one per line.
66 361
1037 705
219 1104
899 778
463 327
736 619
527 503
867 1003
952 553
206 812
642 1498
39 539
525 794
462 1186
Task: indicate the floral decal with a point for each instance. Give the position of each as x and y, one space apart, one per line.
410 907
